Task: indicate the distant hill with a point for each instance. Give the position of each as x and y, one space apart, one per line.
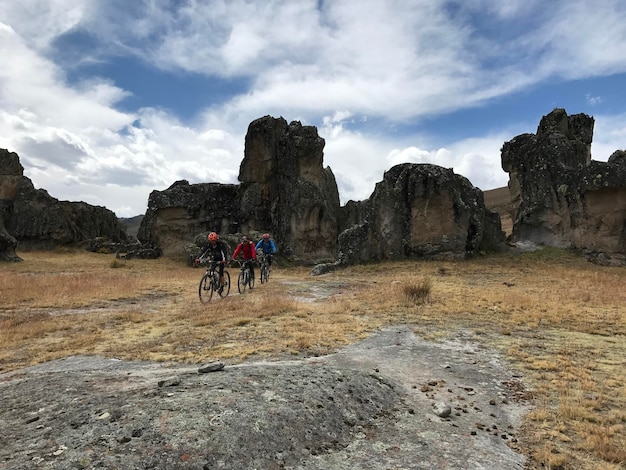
131 224
499 200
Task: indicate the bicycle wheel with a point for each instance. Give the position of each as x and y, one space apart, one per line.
205 289
242 281
265 274
226 289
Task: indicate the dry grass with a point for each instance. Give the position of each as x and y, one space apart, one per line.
559 319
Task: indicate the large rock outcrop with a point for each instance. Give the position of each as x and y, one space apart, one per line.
564 198
176 215
11 172
284 190
36 220
419 211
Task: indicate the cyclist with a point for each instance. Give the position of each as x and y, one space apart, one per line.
218 251
246 247
266 244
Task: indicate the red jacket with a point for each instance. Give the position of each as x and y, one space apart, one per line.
247 249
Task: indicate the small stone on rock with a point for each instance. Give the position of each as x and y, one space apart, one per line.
211 367
169 382
442 410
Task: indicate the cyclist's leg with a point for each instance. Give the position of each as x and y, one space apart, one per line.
221 271
251 265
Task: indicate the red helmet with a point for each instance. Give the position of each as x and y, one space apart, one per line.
266 236
212 237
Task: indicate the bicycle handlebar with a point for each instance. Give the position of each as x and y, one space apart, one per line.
243 262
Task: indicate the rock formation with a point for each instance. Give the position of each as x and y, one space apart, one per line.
176 215
559 197
284 190
618 158
419 211
564 198
38 221
11 172
499 200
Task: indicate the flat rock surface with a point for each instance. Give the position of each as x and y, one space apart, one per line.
371 405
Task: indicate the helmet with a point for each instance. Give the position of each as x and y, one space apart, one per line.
212 237
266 236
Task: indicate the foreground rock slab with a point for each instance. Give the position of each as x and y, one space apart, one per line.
372 405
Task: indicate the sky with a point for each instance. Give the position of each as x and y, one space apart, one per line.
105 101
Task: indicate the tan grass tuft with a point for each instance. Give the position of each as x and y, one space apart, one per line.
418 292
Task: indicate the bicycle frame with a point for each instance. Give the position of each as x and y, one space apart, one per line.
210 270
264 269
210 282
245 278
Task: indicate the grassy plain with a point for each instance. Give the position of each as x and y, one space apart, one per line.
559 319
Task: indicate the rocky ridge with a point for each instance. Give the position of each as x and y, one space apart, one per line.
35 220
559 197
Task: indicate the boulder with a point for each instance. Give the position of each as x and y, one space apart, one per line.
131 225
419 211
499 200
176 215
563 198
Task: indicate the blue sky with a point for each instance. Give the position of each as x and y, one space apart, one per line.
107 100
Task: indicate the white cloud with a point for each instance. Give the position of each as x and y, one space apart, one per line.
392 62
476 159
359 161
40 22
593 100
609 135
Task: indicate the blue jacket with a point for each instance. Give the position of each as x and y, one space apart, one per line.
268 247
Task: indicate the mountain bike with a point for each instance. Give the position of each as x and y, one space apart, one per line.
264 269
210 283
245 279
